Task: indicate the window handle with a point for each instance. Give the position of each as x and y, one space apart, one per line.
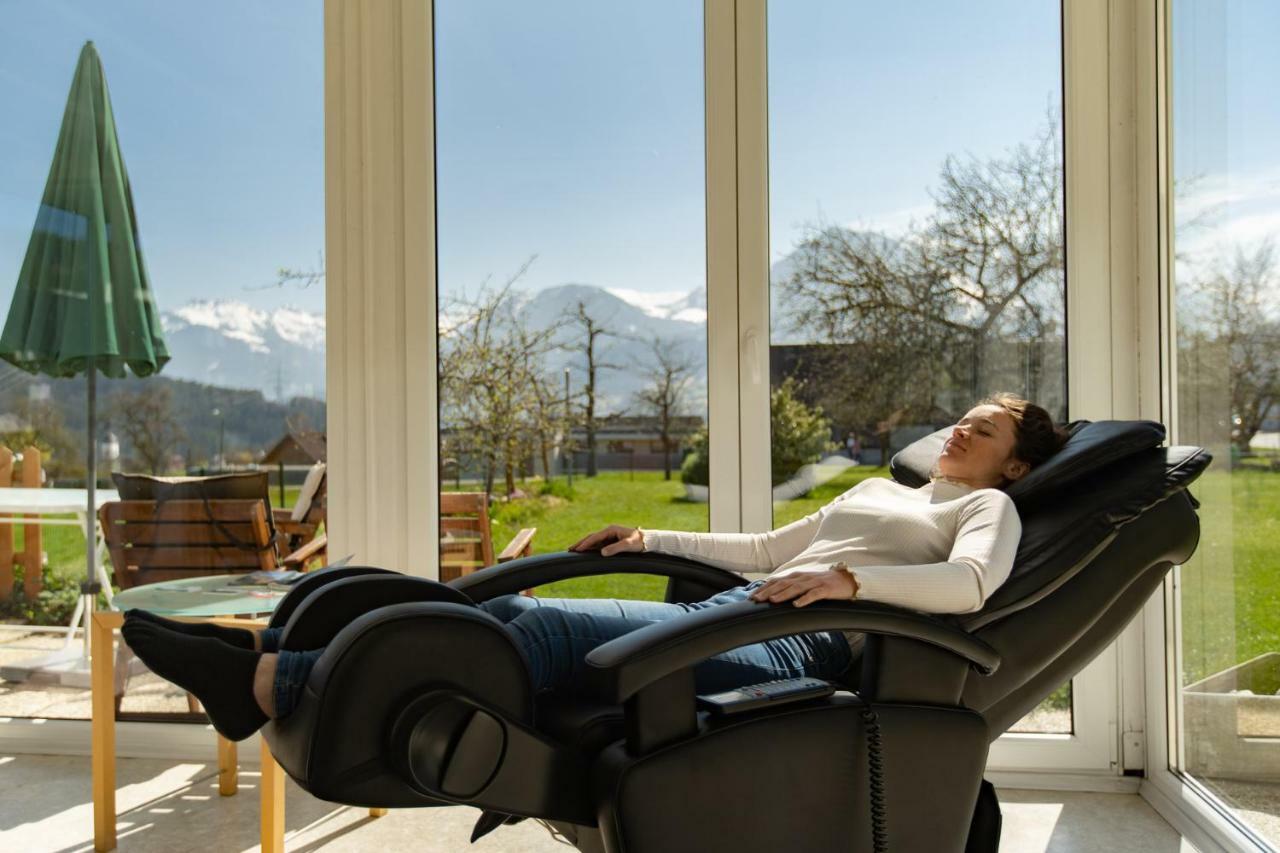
751 342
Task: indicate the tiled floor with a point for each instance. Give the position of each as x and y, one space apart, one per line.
167 806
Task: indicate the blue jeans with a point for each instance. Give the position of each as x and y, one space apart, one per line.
557 633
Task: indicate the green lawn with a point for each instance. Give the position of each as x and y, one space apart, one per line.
1231 587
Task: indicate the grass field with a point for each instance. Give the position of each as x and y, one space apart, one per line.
1231 587
1230 590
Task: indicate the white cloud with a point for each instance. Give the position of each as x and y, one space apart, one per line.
653 303
1219 211
894 223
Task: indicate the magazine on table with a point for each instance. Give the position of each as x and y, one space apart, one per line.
281 577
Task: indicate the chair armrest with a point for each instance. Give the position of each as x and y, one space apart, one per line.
521 545
511 577
620 668
290 527
280 515
306 552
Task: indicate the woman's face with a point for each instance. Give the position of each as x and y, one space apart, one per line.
980 449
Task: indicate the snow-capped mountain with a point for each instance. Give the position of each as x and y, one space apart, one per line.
281 353
234 345
689 307
633 328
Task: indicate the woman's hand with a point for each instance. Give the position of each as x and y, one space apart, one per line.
807 586
615 539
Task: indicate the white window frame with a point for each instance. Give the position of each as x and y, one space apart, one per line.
1189 807
1098 104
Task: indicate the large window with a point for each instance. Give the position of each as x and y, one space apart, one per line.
571 270
1227 305
916 233
218 114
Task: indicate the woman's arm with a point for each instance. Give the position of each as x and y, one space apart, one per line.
744 552
738 552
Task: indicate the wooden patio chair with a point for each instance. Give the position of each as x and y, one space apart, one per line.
466 539
156 541
298 528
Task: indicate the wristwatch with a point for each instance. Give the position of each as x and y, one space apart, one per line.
844 569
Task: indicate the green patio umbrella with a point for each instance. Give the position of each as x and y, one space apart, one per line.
83 302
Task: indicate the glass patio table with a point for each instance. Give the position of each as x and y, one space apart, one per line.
204 599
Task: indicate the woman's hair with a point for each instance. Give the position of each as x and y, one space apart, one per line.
1037 437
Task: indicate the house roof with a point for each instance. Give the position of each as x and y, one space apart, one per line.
311 446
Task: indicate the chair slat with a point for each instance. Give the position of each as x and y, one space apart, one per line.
154 541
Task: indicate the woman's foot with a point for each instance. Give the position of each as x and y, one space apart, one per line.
220 675
239 637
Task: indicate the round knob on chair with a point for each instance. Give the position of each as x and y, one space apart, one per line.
445 744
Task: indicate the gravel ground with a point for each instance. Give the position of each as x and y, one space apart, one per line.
1257 803
145 692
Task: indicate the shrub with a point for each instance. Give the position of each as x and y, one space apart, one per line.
800 434
556 488
52 606
696 467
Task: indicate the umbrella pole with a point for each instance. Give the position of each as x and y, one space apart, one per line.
91 587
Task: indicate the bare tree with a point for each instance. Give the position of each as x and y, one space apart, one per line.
1230 325
930 314
492 375
669 376
146 418
592 329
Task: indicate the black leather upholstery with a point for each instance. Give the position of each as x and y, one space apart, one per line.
429 701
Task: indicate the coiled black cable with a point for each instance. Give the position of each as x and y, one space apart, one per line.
875 767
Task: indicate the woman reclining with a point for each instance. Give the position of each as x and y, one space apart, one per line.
942 548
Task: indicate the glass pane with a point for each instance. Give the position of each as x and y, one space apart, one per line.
915 229
218 124
1052 716
571 258
1227 304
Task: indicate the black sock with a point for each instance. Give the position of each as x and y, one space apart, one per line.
220 675
238 637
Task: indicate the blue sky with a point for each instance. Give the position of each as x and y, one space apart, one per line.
1226 125
567 130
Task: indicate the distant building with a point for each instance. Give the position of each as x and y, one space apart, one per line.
633 442
297 448
623 443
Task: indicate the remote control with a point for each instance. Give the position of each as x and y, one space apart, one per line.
767 693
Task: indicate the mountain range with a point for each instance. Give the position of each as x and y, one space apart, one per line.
281 353
234 345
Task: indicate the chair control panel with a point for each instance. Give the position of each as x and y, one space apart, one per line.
765 694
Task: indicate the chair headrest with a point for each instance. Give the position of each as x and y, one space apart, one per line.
1093 446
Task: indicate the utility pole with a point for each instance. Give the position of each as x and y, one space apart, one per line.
568 429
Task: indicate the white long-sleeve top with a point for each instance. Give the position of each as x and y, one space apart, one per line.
941 548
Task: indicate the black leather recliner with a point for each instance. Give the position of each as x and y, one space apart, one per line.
423 699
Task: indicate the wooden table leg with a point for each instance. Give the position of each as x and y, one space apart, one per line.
377 812
272 830
228 778
102 682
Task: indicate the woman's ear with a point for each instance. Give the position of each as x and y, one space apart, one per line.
1015 469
